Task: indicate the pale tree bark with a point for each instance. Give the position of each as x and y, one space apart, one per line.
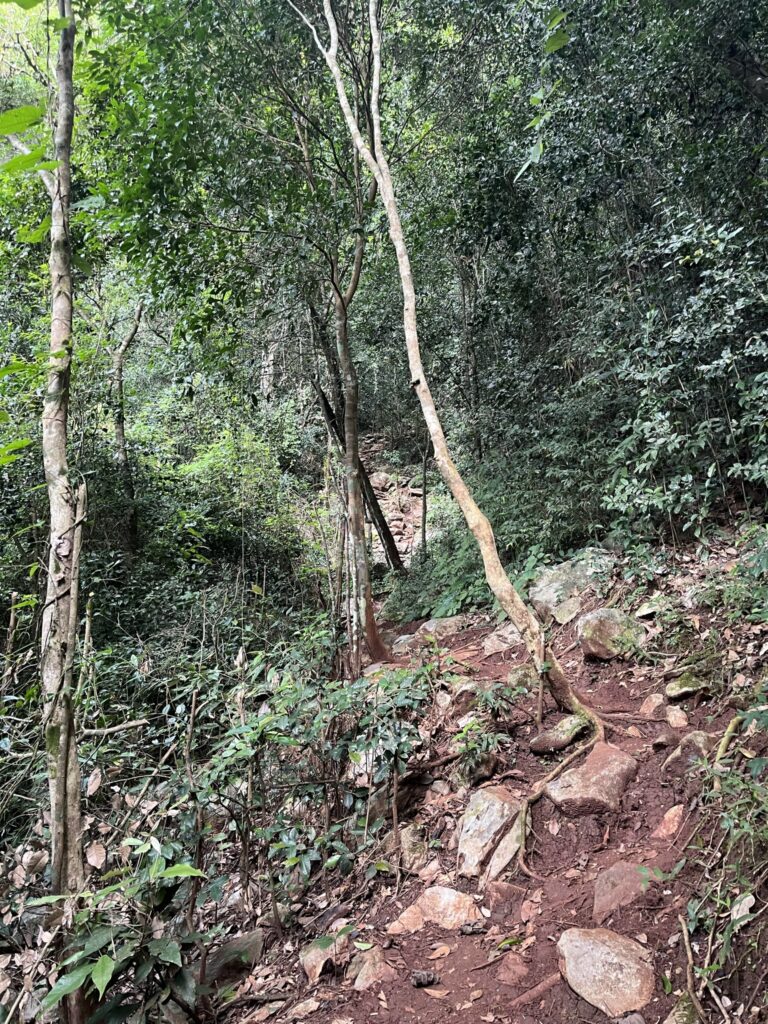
67 511
374 156
119 353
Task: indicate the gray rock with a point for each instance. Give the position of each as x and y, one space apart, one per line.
414 852
488 812
653 707
502 638
523 676
559 736
553 593
688 685
597 785
370 968
325 949
695 747
506 851
610 971
440 629
608 633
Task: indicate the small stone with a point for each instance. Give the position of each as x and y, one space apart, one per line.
512 970
653 706
473 928
502 638
664 739
634 732
609 633
597 785
695 746
670 824
559 736
487 813
373 969
439 905
618 886
677 718
609 970
501 895
687 685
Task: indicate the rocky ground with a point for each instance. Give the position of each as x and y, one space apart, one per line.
588 923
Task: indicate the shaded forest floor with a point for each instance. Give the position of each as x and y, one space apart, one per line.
666 829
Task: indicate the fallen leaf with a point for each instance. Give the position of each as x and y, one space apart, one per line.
437 993
527 910
440 952
475 994
94 781
96 855
553 826
740 909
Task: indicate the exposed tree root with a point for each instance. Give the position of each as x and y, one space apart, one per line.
725 742
538 791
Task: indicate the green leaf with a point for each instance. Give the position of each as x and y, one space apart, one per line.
26 5
554 17
35 234
20 118
66 985
166 950
557 41
181 871
23 162
102 972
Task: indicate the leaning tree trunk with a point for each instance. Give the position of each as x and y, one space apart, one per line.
376 161
67 509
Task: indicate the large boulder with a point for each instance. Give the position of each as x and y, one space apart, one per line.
597 785
610 971
608 633
488 812
557 592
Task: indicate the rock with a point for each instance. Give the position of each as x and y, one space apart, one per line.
684 1012
557 592
559 736
696 745
597 785
403 644
654 605
664 739
512 970
381 481
414 852
501 895
483 821
370 968
609 633
235 957
687 685
502 638
506 850
439 629
317 954
670 824
653 707
677 718
523 677
618 886
608 970
466 692
439 905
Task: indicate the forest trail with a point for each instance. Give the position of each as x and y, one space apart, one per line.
614 855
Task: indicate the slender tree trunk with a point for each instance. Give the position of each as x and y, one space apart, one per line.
376 161
67 510
362 595
123 462
371 501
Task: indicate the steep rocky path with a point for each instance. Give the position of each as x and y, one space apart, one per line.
584 927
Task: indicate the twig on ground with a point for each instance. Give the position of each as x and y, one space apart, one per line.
534 993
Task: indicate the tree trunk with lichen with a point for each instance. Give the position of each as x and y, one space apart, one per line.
67 511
